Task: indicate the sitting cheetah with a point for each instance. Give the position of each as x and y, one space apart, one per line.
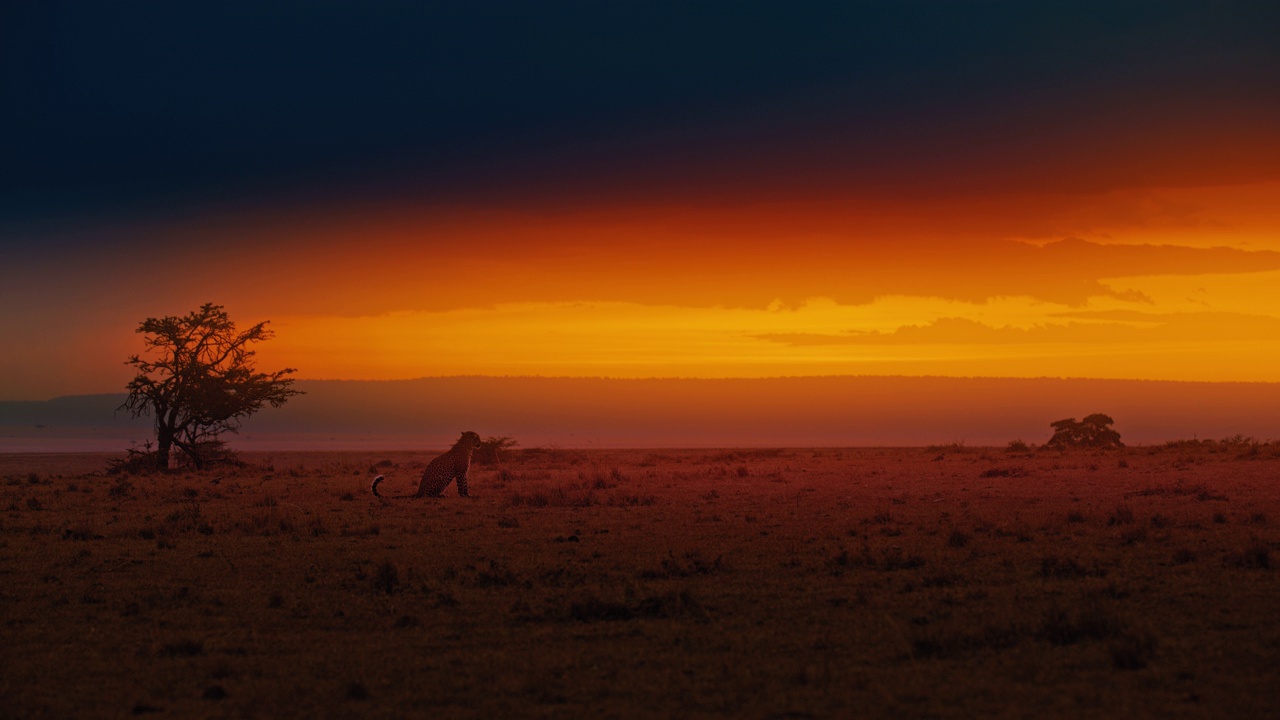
444 470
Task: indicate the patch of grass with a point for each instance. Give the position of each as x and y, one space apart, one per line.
182 648
690 565
1132 651
1122 515
121 488
497 575
681 603
1134 535
620 499
1200 491
1255 555
1066 569
1091 621
1014 472
562 495
890 559
930 643
386 579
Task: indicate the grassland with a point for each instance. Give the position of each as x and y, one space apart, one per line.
940 582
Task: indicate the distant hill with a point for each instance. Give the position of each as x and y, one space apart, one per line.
822 411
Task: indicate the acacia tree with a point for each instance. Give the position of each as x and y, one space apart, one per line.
1093 431
198 381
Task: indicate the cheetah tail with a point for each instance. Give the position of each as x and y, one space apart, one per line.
374 487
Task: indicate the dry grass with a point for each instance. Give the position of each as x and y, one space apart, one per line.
940 582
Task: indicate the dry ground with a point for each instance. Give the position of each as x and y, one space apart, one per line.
943 582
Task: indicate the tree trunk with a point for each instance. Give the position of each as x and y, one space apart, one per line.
164 443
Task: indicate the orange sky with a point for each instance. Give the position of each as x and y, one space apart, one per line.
1150 283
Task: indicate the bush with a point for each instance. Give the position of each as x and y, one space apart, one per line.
1093 431
493 449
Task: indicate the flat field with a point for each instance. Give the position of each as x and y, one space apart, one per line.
941 582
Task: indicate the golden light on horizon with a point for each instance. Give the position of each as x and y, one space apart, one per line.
1189 328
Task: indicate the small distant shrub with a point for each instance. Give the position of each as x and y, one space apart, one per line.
493 450
1018 446
137 461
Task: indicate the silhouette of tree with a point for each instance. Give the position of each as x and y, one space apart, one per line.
200 381
1093 431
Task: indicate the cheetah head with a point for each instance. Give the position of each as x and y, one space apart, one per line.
469 439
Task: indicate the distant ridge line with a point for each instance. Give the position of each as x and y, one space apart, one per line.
801 411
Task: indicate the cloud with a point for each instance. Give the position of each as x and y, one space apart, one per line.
1090 329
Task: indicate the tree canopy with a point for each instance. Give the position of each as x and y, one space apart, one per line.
1093 431
198 380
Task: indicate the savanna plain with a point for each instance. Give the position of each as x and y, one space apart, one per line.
928 582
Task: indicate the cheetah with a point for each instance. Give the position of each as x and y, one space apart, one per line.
443 470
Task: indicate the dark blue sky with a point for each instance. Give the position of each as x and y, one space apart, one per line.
123 108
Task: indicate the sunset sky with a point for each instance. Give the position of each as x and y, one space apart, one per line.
645 189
